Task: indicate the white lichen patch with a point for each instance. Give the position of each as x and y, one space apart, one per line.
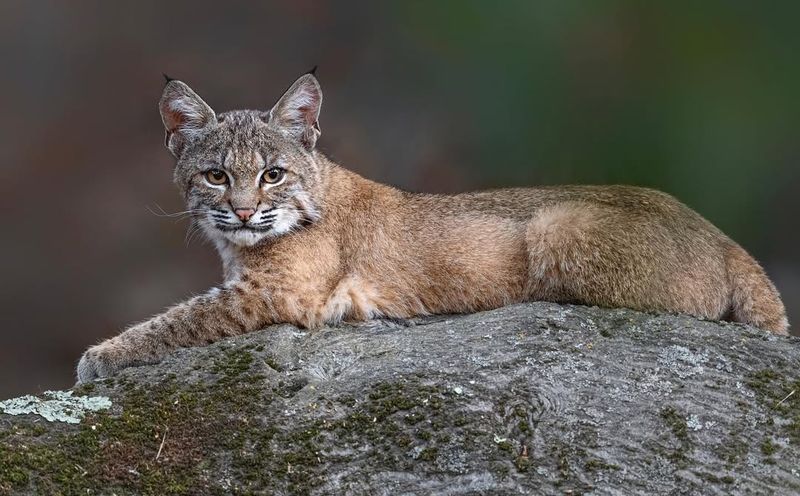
57 406
693 422
682 361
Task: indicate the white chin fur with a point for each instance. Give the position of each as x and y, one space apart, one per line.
244 237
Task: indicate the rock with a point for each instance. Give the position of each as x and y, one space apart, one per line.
529 399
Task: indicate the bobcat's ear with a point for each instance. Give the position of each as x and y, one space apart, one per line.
185 115
297 112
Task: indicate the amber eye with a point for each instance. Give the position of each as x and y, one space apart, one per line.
273 175
216 177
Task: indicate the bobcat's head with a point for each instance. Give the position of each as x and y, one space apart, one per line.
247 175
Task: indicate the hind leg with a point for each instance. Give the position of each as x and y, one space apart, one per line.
596 255
570 262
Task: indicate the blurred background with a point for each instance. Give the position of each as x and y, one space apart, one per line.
698 100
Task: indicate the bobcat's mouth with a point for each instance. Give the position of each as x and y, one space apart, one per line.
265 223
244 227
276 222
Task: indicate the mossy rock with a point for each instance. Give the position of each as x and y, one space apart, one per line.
528 399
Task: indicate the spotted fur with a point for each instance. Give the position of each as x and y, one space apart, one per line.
325 244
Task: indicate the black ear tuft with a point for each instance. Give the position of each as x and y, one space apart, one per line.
167 78
313 71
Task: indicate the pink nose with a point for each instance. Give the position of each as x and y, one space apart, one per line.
244 214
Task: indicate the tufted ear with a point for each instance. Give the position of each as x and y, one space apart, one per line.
297 112
185 115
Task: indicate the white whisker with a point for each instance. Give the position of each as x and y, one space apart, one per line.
192 232
177 215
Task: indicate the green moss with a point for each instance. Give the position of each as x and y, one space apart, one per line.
13 469
460 420
84 389
428 454
523 425
779 394
714 479
523 463
123 453
37 430
768 447
677 425
562 461
414 418
596 465
505 446
793 429
273 364
387 399
382 419
761 381
676 422
233 363
734 450
167 438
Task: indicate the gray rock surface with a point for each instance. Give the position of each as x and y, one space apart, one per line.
528 399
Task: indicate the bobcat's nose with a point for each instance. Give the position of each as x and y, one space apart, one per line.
244 214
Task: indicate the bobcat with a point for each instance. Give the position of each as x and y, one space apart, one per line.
307 242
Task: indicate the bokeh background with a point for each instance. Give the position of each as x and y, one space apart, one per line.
697 99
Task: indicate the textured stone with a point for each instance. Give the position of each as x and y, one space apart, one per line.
529 399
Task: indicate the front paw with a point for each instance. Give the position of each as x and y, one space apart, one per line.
101 360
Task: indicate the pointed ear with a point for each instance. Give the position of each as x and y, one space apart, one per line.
185 115
297 112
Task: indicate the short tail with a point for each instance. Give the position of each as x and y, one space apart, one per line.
754 299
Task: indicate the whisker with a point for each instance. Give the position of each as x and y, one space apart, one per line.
197 232
263 221
176 215
163 213
188 237
194 229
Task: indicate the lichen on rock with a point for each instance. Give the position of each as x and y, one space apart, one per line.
57 406
528 399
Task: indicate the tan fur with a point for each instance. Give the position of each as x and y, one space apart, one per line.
374 251
753 296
